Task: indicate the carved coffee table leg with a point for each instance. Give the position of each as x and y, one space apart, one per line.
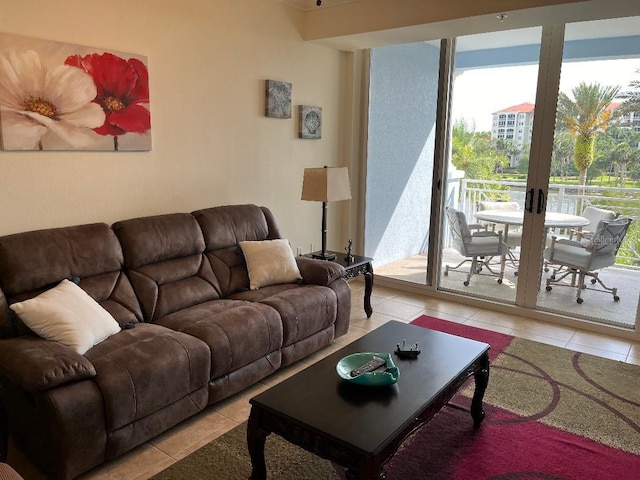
482 380
368 470
256 437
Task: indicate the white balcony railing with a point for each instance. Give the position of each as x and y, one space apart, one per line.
565 199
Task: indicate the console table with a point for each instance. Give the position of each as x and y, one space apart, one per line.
357 267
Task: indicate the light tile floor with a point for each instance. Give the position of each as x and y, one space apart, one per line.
388 304
597 305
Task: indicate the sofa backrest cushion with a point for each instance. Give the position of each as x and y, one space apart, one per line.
90 255
223 229
164 258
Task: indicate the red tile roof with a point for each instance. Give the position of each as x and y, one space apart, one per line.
522 108
530 107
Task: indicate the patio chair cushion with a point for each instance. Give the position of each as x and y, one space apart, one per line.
507 206
486 245
595 215
575 255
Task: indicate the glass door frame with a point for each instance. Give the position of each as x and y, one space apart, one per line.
533 241
548 83
442 155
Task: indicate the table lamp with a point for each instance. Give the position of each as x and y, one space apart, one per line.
328 184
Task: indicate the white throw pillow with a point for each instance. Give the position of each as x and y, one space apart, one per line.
270 262
67 314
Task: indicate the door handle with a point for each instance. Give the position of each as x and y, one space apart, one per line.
541 200
528 201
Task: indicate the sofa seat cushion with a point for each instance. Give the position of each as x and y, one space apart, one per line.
304 309
237 333
144 369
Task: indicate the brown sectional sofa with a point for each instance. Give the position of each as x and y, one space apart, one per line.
196 334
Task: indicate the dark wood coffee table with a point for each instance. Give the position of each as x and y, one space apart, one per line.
359 427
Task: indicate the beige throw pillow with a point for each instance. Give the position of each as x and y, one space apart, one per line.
270 262
67 314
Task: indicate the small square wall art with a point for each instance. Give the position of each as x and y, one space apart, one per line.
310 121
278 99
61 96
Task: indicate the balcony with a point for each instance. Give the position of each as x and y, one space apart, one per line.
597 306
571 199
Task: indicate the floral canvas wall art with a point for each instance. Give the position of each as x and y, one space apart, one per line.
278 99
310 121
59 96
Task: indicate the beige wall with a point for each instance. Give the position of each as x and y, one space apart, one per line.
212 144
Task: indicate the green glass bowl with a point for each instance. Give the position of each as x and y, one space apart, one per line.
372 379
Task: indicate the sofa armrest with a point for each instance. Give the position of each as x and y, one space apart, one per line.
319 272
37 365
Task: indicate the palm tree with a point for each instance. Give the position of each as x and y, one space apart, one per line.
632 97
472 153
563 146
584 116
505 149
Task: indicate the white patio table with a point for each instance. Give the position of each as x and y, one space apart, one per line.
516 217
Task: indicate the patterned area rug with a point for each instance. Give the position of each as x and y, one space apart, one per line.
551 413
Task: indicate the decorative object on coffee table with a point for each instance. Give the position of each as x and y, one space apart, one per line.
360 368
412 351
328 184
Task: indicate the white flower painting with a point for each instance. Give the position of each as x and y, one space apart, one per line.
56 96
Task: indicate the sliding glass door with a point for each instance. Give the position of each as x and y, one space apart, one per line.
493 102
516 168
595 174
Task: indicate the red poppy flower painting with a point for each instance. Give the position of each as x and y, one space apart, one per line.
122 87
59 96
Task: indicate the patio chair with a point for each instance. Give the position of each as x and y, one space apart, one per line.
479 247
582 261
584 234
594 215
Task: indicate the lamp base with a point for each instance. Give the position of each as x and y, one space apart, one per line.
324 256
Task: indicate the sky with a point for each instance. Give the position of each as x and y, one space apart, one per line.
479 93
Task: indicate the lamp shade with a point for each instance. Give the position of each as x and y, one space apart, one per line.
328 184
